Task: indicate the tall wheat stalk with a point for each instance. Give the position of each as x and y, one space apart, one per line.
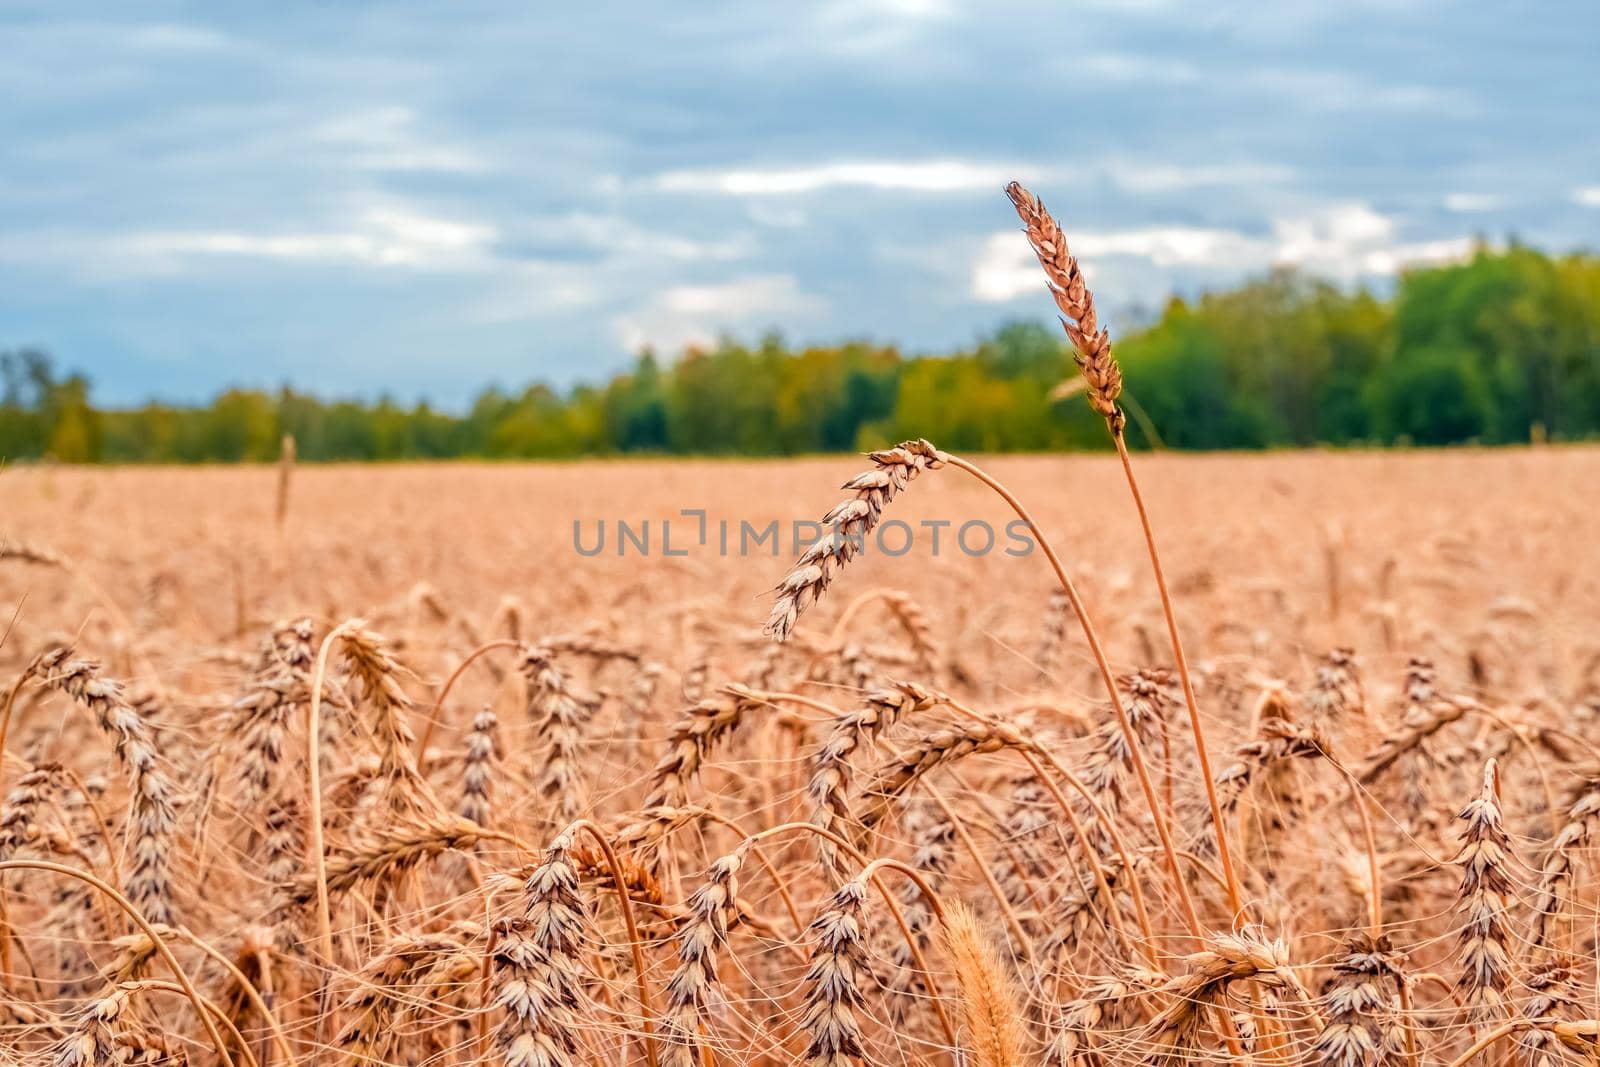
1091 345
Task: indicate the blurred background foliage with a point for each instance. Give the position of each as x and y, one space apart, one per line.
1504 347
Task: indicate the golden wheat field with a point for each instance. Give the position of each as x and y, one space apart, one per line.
341 765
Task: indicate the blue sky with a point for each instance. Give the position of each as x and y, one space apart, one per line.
427 198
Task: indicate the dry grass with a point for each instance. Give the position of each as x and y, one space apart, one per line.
396 775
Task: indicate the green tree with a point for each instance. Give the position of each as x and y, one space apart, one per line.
1484 349
1432 396
74 424
636 407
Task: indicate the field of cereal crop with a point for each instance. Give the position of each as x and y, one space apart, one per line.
576 805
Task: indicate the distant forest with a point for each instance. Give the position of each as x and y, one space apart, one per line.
1504 347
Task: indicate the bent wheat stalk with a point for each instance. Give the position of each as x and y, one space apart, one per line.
1579 1035
845 528
160 944
872 872
314 840
625 907
1555 873
153 809
808 578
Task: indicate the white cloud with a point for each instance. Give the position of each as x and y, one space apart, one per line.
1006 268
617 236
1351 241
766 213
1394 260
1164 178
389 138
529 291
919 176
175 37
843 15
529 270
1466 203
916 9
384 236
859 29
1336 90
1344 241
1128 67
1137 7
1588 196
1175 246
958 176
695 314
538 274
1331 238
563 262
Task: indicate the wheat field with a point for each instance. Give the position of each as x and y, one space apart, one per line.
1397 621
1287 759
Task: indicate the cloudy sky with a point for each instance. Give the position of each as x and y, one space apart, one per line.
431 197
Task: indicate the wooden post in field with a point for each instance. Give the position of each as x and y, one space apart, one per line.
285 473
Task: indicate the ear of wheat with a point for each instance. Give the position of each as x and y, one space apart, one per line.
988 998
699 939
1358 1004
832 770
833 993
538 978
1175 1032
845 528
154 812
1091 343
1486 861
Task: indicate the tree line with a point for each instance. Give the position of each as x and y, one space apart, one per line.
1503 347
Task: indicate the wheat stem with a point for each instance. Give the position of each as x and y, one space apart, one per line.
444 690
144 924
1163 831
635 945
1578 1033
889 901
1224 855
314 788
